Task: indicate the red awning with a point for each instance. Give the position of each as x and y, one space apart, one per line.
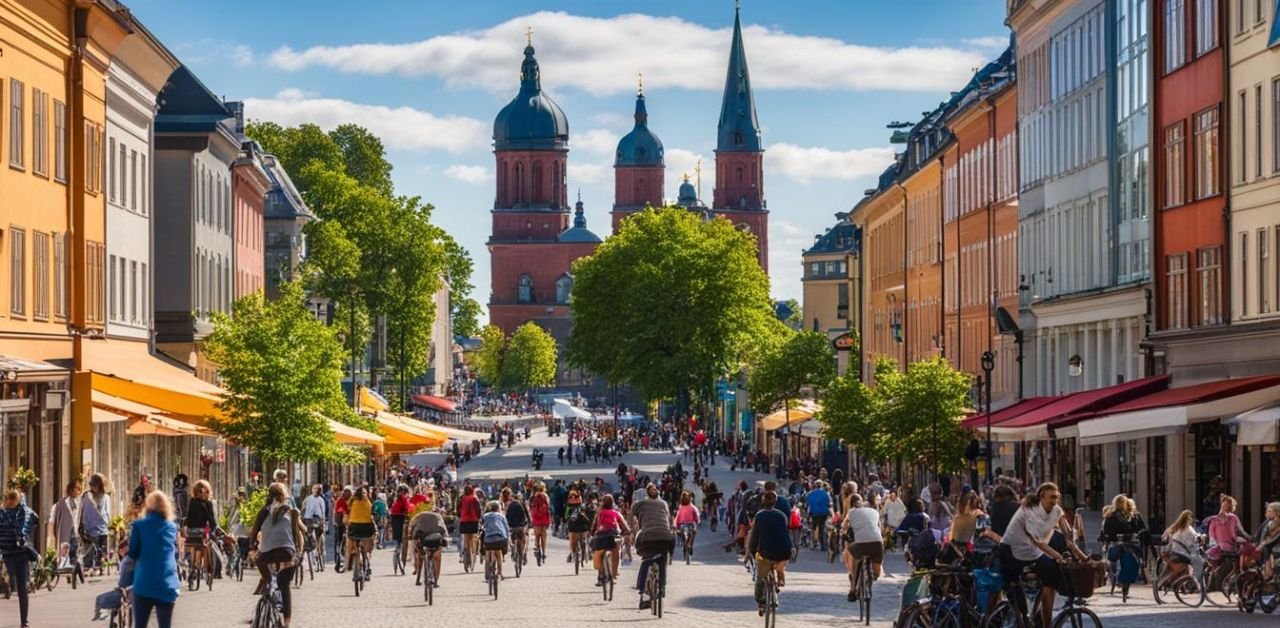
1072 408
435 403
1200 393
979 420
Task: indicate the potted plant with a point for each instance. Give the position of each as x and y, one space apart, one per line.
23 479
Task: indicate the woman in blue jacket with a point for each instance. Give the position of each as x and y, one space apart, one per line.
17 522
153 544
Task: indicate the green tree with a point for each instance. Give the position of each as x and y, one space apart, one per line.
923 408
282 370
464 311
530 359
796 319
855 413
670 303
804 360
466 318
487 361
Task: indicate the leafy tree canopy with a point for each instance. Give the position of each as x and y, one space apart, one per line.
487 362
670 302
282 371
804 360
530 359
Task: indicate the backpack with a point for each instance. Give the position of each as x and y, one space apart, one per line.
753 504
924 548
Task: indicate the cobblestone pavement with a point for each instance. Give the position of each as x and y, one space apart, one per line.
715 591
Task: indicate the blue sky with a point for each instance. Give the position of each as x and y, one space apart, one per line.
430 76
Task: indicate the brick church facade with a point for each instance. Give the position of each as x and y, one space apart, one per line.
536 237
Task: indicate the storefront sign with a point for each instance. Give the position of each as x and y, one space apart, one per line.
843 342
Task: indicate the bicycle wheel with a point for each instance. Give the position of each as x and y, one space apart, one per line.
262 614
577 562
1076 617
428 585
688 551
1003 615
1220 587
608 589
864 594
311 565
357 574
1189 590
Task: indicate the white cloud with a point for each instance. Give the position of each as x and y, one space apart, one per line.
602 55
211 50
403 128
590 173
786 242
805 164
598 142
994 43
469 174
681 162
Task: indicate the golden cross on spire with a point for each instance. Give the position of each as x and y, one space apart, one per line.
640 78
686 177
528 35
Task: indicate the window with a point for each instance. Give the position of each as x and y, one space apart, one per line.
1244 138
1206 148
1259 11
112 169
1175 35
1206 26
1176 284
60 275
1240 6
16 157
93 157
564 286
1210 275
40 275
146 295
1244 273
1264 261
133 179
524 290
59 141
1174 166
122 173
133 293
112 308
95 260
1275 123
40 134
142 173
1257 131
17 272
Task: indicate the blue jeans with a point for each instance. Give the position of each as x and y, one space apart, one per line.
142 612
19 574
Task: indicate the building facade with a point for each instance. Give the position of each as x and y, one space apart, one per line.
249 187
195 244
638 169
285 215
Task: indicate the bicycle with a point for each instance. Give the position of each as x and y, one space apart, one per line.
1220 580
835 542
654 584
397 559
1256 591
468 561
1009 614
270 610
579 554
519 548
1129 547
359 566
862 580
198 571
686 543
427 573
605 576
122 616
770 610
1188 586
44 572
491 573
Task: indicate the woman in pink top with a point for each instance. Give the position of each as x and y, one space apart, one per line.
1225 531
687 517
607 527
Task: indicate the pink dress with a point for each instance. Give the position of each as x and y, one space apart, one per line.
687 515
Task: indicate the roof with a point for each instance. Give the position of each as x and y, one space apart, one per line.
979 420
283 199
1088 401
739 128
186 105
531 120
578 233
640 147
844 236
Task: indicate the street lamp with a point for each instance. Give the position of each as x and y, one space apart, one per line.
1009 327
988 365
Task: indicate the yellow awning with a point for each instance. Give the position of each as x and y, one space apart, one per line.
779 418
112 403
126 370
398 434
453 432
348 435
102 415
164 426
371 402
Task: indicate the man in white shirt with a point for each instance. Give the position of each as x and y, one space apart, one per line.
1026 542
861 531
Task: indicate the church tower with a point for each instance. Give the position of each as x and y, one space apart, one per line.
638 167
533 242
739 191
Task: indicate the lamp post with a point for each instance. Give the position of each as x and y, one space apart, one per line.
988 365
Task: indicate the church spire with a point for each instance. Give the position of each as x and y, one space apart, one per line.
739 129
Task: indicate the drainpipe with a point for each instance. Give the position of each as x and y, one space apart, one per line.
905 208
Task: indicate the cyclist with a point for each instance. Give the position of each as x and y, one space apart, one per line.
654 539
340 514
517 515
200 523
380 517
360 528
276 538
468 519
687 518
578 521
1026 543
819 502
314 512
769 544
428 532
861 528
497 534
1226 532
1182 539
1123 519
540 517
398 513
606 528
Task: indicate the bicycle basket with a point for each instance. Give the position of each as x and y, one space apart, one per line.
1083 577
